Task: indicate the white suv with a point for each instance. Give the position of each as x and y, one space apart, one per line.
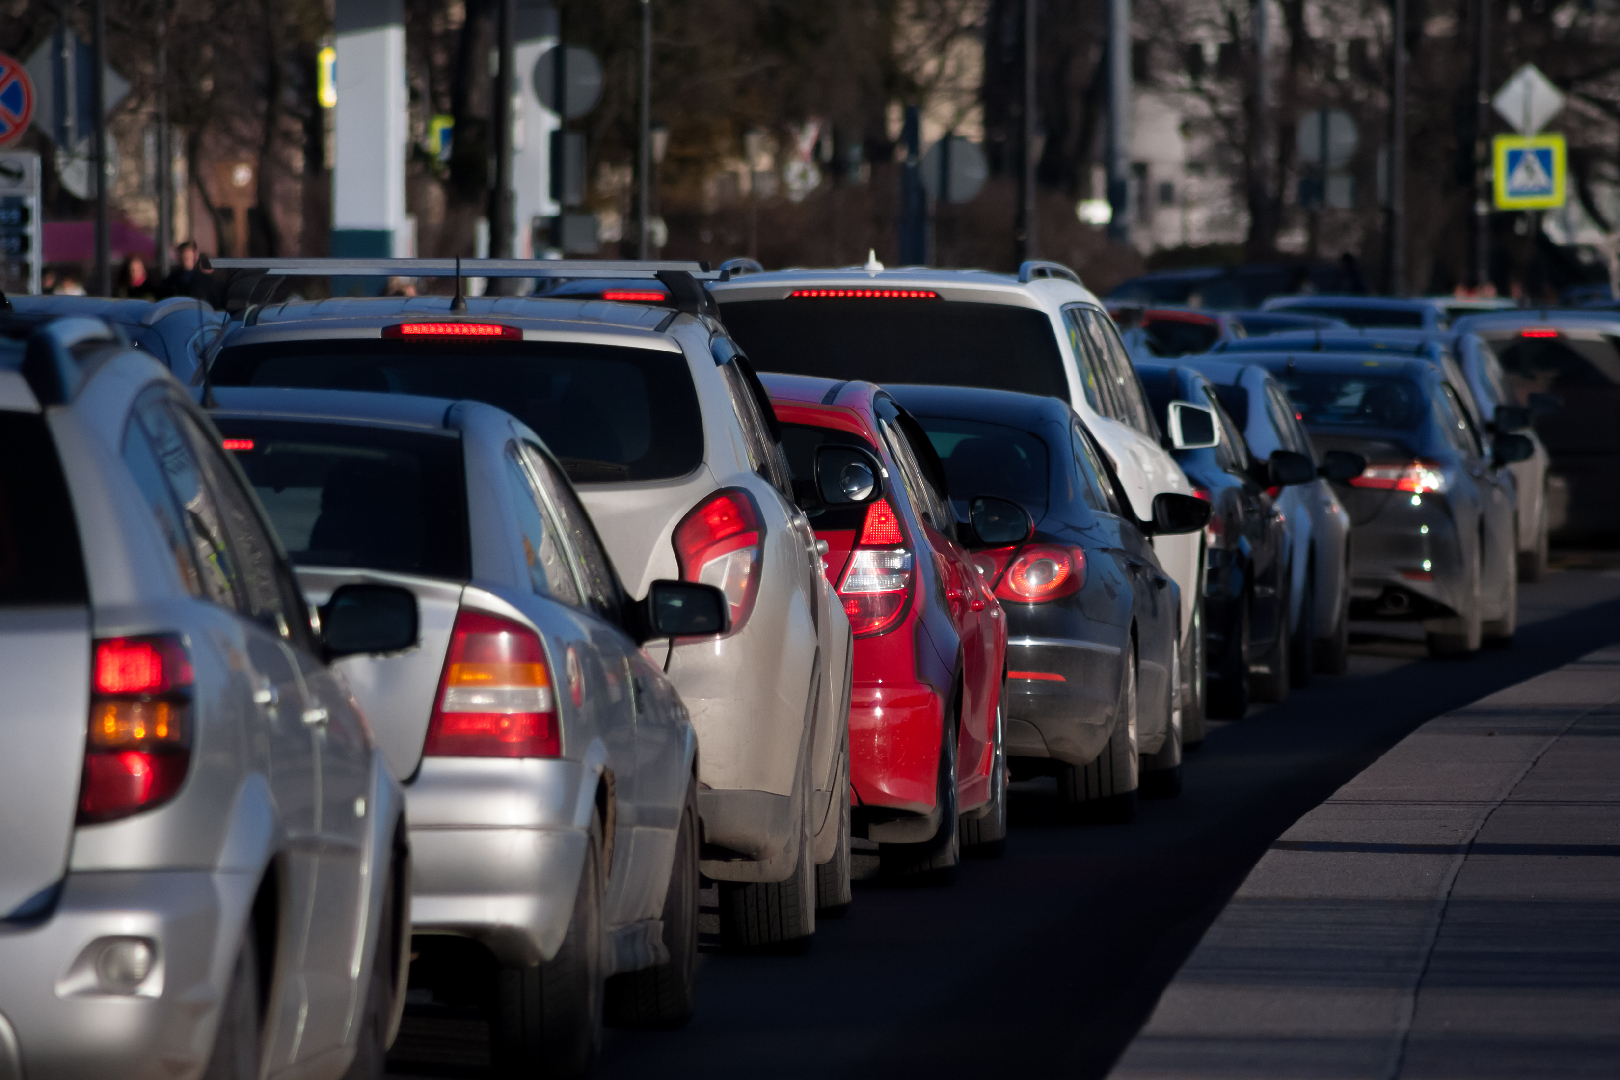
1039 332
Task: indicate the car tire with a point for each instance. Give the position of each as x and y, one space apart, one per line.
1304 635
1272 684
1106 789
1498 633
548 1017
774 916
376 1021
934 861
1333 651
834 894
663 996
985 836
236 1053
1228 695
1469 635
1533 563
1195 683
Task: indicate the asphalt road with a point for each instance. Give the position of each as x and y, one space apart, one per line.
1053 956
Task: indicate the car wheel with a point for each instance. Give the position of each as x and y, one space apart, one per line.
1107 787
1498 633
663 996
236 1042
934 861
1194 701
371 1050
1304 635
1272 683
1533 563
1465 633
985 836
833 893
1228 695
548 1018
1333 651
778 916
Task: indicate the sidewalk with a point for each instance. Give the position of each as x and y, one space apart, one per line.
1453 911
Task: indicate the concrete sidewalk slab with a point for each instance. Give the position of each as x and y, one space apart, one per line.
1453 911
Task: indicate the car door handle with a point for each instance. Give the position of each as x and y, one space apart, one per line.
317 716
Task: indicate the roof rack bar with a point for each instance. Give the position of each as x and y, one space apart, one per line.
1042 268
448 268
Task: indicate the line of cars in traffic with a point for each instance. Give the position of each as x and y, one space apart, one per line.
443 646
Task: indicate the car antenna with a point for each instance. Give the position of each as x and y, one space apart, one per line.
458 303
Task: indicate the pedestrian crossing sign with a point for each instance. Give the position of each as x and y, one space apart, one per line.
1529 172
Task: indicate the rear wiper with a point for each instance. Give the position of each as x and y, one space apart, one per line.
586 470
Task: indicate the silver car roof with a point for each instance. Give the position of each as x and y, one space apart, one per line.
540 318
343 406
974 286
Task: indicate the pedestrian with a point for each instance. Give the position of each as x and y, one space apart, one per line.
187 279
134 283
401 286
69 284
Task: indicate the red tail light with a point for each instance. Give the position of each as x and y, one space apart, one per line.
873 294
1419 477
239 445
877 585
452 329
721 543
881 527
138 747
1539 332
495 696
635 296
1042 572
1215 531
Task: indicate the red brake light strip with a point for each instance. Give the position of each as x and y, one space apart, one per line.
636 296
875 294
451 329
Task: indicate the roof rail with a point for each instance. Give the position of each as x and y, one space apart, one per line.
1043 268
738 267
449 268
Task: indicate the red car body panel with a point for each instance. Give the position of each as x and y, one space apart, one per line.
904 675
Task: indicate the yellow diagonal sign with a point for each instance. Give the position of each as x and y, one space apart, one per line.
1529 173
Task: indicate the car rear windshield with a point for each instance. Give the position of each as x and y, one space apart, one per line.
991 459
1170 336
1357 315
800 443
358 496
1557 362
938 342
610 414
40 559
1355 400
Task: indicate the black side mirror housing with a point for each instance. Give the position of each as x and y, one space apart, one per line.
1175 513
362 618
998 522
1543 404
1285 468
676 609
1508 449
1510 418
1342 466
847 475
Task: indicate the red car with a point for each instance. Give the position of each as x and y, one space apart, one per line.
930 638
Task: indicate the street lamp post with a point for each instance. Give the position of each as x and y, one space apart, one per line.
1397 154
643 241
98 97
501 225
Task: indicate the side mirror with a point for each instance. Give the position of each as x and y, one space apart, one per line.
1507 449
1510 418
679 609
1342 465
998 522
847 475
1176 513
1285 468
364 618
1542 404
1192 427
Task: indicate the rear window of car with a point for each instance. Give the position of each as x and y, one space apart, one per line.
937 342
991 459
1562 362
40 559
1178 337
1330 398
352 495
1356 315
610 414
800 443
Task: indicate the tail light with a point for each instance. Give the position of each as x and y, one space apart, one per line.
1419 477
495 696
1215 531
721 543
877 585
1034 573
138 748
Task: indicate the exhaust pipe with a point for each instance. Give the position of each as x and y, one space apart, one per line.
1397 602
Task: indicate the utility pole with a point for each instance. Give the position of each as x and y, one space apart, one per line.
500 217
98 95
643 242
1397 155
1264 154
1482 112
165 169
1119 120
1028 219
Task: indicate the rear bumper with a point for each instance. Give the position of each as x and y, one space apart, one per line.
895 732
1407 563
497 848
55 1022
1061 694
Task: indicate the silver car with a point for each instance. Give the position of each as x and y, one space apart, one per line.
671 440
204 856
550 767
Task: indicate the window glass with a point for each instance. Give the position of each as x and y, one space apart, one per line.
990 459
1344 399
1231 453
549 572
1092 381
40 559
800 443
755 437
592 564
1282 418
154 488
205 526
1100 490
1458 425
1131 405
911 475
